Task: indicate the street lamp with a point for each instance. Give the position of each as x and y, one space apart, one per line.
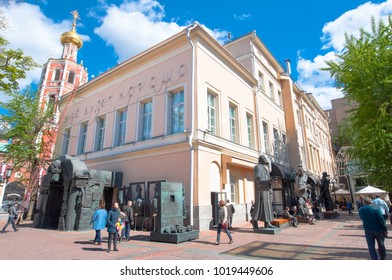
4 176
333 181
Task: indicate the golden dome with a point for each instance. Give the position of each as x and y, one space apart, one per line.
72 36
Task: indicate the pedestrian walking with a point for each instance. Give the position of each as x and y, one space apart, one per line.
230 212
223 223
128 220
349 207
111 221
375 229
12 215
98 222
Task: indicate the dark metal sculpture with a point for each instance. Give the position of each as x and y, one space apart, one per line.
263 192
169 215
69 195
325 195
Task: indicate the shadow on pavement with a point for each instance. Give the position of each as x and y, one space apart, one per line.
285 251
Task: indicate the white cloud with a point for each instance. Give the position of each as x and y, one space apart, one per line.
241 17
311 78
133 27
35 34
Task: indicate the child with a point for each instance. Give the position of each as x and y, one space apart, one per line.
120 225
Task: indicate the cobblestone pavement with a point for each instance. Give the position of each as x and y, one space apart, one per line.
337 239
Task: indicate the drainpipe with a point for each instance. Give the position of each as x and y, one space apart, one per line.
255 95
190 138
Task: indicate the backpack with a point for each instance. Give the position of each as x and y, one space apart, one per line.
232 208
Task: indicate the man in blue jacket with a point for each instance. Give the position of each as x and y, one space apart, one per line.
375 229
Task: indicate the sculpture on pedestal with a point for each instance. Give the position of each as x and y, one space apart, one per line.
325 195
263 195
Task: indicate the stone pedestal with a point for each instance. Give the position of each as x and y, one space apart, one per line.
267 230
331 214
174 237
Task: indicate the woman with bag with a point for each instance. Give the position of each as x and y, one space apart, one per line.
222 222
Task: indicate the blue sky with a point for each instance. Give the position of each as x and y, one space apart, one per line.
306 32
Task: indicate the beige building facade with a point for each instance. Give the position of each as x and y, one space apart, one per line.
190 110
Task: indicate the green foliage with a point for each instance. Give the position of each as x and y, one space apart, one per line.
13 67
364 73
26 120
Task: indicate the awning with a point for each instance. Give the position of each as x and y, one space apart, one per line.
281 171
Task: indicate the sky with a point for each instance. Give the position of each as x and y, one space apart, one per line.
307 32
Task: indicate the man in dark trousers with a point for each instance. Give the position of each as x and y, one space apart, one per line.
128 220
13 213
375 229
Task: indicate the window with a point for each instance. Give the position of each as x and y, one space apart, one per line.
82 138
66 140
249 126
177 112
57 75
299 118
261 81
71 77
271 88
276 142
147 120
233 122
234 189
121 124
280 101
51 102
211 112
284 146
100 134
265 137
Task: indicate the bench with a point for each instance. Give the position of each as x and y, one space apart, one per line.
281 223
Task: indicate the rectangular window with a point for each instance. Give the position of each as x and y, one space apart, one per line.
147 120
121 125
100 134
249 125
284 146
276 143
71 77
66 140
261 81
280 101
82 138
233 122
57 74
211 112
265 137
177 112
271 88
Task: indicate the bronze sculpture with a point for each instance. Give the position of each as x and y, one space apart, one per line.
263 195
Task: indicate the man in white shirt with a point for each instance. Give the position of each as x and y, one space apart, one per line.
381 205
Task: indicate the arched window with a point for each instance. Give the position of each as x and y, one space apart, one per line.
57 73
71 77
51 101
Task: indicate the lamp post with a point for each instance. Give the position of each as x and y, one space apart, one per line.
333 181
5 175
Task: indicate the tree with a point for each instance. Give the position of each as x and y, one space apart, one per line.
30 127
13 67
364 73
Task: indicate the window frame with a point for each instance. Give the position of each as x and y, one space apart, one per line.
99 133
82 141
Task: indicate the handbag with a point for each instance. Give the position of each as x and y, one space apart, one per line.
225 225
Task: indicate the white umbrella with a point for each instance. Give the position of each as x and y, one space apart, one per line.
371 190
342 191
